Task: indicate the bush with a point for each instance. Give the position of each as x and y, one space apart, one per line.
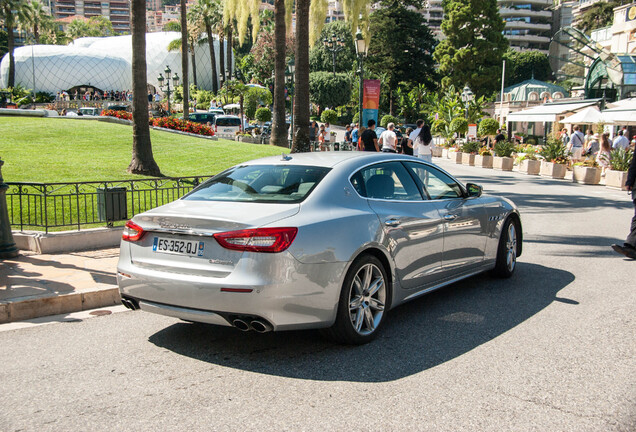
488 126
327 90
485 151
329 116
471 147
459 125
263 115
356 118
555 151
504 148
124 115
385 120
180 125
254 98
620 159
44 97
203 98
439 126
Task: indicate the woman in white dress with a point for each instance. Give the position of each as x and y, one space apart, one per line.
422 144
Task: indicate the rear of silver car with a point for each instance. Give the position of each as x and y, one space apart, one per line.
226 263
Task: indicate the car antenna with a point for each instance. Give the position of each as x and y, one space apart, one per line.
286 157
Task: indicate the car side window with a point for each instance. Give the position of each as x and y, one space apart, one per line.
437 184
388 181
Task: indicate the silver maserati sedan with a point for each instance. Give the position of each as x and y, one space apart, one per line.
314 240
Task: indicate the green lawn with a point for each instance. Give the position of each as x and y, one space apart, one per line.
66 150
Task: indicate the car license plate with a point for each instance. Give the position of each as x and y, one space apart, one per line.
178 247
227 130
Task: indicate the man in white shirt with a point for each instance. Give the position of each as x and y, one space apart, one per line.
621 141
576 144
388 139
328 136
414 135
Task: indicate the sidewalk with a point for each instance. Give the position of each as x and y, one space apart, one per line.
34 285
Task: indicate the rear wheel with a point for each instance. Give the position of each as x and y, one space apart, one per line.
362 305
507 250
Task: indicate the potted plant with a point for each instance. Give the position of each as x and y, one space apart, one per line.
503 152
555 157
528 162
488 127
619 162
446 149
586 172
469 150
484 158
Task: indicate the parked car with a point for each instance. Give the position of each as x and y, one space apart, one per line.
202 118
216 110
314 240
119 107
89 111
227 125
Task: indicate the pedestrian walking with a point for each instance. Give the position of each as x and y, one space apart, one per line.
575 145
406 149
355 138
629 247
603 156
321 138
592 146
388 139
369 138
565 138
500 137
422 144
414 135
347 137
621 141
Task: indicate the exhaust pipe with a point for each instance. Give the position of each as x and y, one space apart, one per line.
241 325
260 326
130 304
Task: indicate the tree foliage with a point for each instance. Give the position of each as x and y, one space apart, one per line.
322 60
488 126
327 90
401 47
255 97
599 15
523 65
95 27
263 115
474 45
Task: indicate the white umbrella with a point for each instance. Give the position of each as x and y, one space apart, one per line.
590 115
623 113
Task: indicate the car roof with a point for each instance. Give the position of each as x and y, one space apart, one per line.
329 159
227 116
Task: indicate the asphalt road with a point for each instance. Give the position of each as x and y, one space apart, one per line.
552 349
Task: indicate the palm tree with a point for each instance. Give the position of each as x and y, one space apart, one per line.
35 18
184 59
211 17
193 40
279 125
301 102
142 161
8 9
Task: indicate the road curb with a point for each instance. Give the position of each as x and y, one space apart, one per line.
34 307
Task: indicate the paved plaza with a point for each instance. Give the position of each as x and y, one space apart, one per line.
552 348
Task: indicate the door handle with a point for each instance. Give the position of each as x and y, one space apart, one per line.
450 217
393 222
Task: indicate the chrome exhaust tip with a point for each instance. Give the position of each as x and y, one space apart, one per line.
241 325
260 326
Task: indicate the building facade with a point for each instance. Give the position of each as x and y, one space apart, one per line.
117 11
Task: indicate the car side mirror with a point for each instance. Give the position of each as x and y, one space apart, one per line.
474 190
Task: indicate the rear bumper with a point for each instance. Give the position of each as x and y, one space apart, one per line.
284 292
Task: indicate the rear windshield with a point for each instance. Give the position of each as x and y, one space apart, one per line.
228 121
261 183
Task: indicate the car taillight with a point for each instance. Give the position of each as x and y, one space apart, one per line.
258 240
132 232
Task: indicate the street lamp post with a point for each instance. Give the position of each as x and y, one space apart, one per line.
467 97
289 76
361 51
167 89
334 46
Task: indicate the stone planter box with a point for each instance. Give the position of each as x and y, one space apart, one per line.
445 153
554 170
455 157
586 175
250 140
615 179
483 161
503 163
437 151
531 167
468 159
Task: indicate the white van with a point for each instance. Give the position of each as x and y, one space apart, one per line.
227 126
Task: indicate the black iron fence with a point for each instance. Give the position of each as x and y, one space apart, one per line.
37 206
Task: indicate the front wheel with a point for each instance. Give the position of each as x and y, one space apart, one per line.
363 301
507 250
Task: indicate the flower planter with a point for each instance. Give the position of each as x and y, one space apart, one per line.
483 161
529 166
554 170
615 179
503 163
456 157
445 153
586 175
437 151
468 159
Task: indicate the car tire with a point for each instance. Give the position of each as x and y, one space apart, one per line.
507 250
363 303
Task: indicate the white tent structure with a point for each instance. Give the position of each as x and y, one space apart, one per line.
622 113
550 112
588 116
